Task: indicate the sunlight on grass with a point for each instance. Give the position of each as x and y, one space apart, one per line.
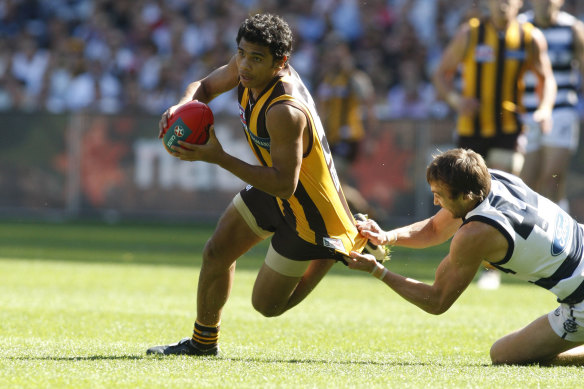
86 322
88 325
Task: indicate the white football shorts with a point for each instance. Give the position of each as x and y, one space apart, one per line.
568 321
564 134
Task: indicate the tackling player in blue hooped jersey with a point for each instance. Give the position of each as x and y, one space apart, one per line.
493 216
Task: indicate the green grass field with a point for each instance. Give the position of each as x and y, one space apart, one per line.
80 304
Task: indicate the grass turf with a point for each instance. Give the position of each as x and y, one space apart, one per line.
81 303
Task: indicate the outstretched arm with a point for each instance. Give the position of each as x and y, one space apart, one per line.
474 242
426 233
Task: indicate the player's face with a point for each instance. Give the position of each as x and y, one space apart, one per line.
503 11
256 65
544 9
457 206
339 57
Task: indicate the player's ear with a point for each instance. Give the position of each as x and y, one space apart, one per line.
282 62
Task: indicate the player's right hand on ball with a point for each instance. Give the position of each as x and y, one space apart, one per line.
163 123
210 152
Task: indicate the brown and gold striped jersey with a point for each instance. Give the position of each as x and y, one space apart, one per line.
492 72
317 210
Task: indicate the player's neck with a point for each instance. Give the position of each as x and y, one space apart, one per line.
546 20
501 24
256 92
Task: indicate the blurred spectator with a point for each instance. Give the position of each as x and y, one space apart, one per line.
423 15
108 88
149 66
59 75
346 103
165 92
402 44
134 40
81 89
28 66
345 19
93 34
413 97
8 85
200 34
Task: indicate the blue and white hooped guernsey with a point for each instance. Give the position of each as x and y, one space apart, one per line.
561 51
546 245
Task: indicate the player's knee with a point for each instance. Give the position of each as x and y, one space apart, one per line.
494 356
267 309
497 354
212 257
209 252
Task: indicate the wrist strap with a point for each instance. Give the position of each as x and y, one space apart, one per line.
391 237
379 271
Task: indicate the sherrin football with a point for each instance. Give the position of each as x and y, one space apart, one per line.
189 123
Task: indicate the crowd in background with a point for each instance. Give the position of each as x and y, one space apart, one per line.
138 55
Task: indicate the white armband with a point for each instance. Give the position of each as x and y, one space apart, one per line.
391 237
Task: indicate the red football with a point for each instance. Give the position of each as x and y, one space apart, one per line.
189 123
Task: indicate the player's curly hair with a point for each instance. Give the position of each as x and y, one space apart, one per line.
463 171
267 30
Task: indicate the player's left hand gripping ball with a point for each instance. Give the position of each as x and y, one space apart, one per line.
189 123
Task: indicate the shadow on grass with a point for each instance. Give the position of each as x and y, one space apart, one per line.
266 360
227 359
330 362
86 358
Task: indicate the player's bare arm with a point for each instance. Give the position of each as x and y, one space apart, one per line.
540 64
578 30
219 81
443 77
430 232
473 243
453 275
285 125
426 233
